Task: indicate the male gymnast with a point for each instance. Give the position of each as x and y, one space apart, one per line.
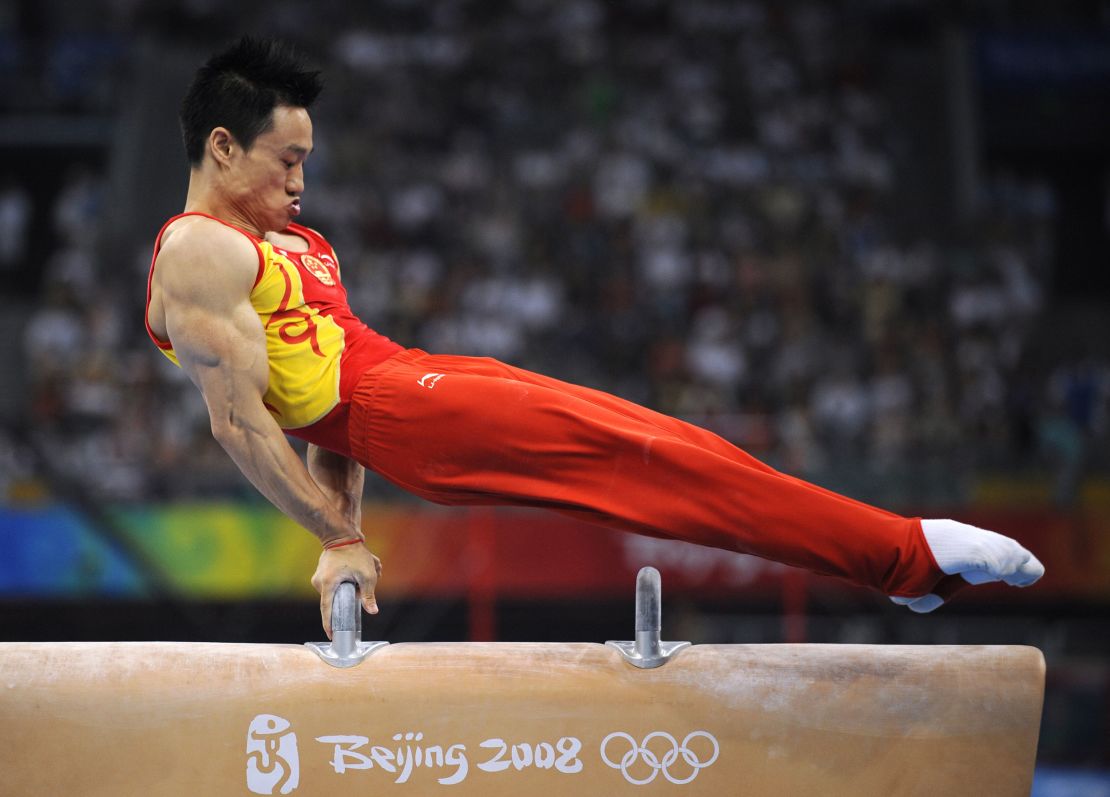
250 304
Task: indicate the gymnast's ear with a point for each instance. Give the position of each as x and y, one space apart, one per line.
222 146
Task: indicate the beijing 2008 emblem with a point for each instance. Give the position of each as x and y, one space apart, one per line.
317 269
274 761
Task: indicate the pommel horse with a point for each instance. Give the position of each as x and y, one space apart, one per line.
638 717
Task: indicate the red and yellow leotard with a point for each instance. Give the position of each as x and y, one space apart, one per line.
466 430
316 347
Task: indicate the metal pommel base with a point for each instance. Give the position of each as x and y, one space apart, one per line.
346 648
647 652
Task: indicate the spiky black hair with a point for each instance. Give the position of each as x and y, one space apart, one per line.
239 89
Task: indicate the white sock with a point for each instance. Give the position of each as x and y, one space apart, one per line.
926 603
977 555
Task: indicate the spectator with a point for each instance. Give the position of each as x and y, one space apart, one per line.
687 204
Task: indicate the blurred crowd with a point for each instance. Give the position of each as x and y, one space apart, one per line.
691 206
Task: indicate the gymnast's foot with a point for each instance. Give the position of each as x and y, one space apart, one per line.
977 556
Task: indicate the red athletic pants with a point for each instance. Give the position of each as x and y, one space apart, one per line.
472 430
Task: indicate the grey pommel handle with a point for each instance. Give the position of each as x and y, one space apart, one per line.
346 648
646 651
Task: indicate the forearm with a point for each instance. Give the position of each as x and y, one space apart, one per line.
265 457
340 478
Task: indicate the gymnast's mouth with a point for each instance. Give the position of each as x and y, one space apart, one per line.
295 207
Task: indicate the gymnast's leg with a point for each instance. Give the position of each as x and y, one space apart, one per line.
488 433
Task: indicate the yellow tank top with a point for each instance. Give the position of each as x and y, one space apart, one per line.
304 346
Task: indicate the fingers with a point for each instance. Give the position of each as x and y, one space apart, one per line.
320 584
351 563
367 583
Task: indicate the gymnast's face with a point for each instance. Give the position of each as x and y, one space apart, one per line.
263 184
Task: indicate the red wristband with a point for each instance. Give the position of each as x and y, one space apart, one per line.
351 541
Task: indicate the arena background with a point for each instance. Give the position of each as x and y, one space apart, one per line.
866 241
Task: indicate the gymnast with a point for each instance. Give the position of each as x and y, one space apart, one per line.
251 305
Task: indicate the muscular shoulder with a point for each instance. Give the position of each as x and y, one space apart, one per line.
203 253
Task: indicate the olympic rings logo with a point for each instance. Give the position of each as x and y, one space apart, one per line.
655 763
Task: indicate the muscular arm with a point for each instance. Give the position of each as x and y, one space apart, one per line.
206 273
221 346
341 479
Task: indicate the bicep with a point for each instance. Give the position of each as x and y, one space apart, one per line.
215 331
208 338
